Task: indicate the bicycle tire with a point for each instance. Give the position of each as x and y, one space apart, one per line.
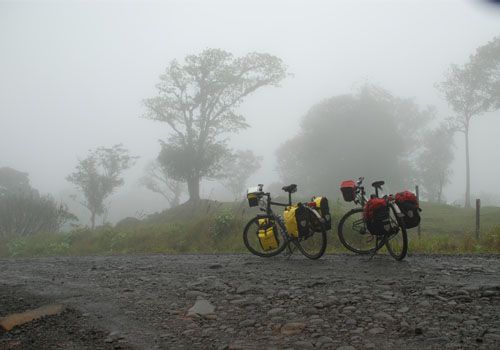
341 232
404 235
263 254
301 242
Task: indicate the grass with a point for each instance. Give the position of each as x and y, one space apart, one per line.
210 227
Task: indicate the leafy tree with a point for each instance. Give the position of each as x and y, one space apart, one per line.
471 90
434 162
370 133
158 180
237 171
198 100
23 211
25 214
98 175
14 182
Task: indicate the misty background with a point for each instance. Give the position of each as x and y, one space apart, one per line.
73 77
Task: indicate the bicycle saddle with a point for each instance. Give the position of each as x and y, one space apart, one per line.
290 188
378 184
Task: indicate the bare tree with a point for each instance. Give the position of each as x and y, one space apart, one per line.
237 171
157 180
471 90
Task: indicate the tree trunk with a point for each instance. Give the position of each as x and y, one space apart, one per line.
467 169
194 188
92 220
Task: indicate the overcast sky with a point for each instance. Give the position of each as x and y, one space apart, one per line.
73 75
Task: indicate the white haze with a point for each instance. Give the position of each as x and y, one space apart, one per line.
73 75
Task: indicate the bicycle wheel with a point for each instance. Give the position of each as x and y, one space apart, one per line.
252 242
397 240
313 244
354 235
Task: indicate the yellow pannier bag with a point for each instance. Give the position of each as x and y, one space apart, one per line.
267 235
291 221
324 210
296 220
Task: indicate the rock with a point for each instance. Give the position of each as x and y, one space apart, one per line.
215 266
346 347
302 344
424 303
350 322
201 307
293 328
383 316
324 340
492 336
403 310
247 323
376 330
276 311
192 294
419 330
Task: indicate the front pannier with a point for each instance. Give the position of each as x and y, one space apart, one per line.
407 202
267 235
297 220
348 189
321 204
376 215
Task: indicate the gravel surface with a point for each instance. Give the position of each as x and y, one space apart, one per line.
243 302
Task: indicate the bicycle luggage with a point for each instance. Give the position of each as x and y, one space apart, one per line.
321 204
296 220
253 196
407 202
267 235
348 189
376 215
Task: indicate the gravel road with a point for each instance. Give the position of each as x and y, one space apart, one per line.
244 302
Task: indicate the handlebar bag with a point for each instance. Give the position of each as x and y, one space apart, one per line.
253 199
407 202
268 238
376 215
348 189
297 220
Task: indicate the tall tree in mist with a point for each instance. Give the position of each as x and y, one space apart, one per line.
159 181
370 133
98 175
237 171
198 99
434 162
471 90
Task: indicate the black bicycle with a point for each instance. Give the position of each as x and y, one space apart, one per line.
311 244
360 236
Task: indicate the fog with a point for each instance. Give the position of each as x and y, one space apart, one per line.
73 77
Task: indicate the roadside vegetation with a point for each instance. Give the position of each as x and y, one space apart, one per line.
216 227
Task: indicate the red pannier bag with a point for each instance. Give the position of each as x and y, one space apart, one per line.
407 202
376 215
348 189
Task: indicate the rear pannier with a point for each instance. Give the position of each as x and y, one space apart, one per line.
376 215
407 202
267 234
348 189
297 220
321 205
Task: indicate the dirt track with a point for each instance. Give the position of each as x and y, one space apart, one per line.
340 301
